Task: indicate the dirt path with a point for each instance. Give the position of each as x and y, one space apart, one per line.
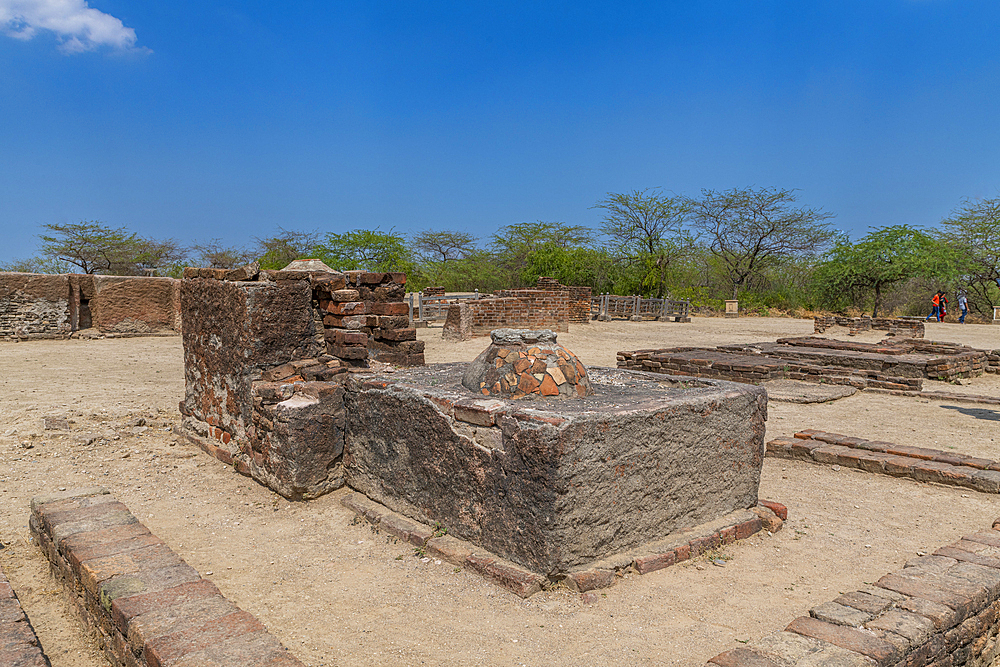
337 594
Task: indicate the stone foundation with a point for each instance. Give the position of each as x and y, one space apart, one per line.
940 610
508 309
900 364
553 485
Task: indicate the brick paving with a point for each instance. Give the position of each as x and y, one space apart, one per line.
18 644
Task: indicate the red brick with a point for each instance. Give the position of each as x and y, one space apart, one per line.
256 649
682 552
969 557
142 630
51 519
124 609
92 573
647 564
10 610
748 528
742 657
588 580
845 637
14 634
166 650
780 510
517 580
391 308
23 656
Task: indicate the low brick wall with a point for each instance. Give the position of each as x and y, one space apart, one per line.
525 583
919 463
940 610
18 644
893 365
508 309
579 298
894 325
143 603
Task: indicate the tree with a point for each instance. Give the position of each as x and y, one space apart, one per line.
513 245
646 228
154 257
92 246
214 255
367 250
35 265
444 246
747 229
276 252
879 261
974 230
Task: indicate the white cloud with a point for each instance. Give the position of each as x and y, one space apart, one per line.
77 26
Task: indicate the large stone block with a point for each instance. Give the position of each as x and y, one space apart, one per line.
555 485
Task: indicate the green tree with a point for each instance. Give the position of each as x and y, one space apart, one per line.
276 252
443 246
366 250
973 229
865 271
94 247
751 229
647 228
513 245
35 265
213 254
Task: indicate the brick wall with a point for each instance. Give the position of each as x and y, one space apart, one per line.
895 326
579 298
55 306
265 360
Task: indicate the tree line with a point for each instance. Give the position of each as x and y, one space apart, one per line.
758 245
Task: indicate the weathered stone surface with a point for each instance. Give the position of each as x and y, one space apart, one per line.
839 614
567 485
789 648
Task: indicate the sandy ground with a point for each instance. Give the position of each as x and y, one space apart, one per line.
337 594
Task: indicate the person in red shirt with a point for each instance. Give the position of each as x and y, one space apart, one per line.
936 306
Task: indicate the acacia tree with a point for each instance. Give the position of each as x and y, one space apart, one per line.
367 250
444 246
748 229
881 260
97 248
213 254
92 246
646 228
974 229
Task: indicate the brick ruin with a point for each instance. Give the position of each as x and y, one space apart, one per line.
579 298
536 482
36 306
896 326
265 360
896 364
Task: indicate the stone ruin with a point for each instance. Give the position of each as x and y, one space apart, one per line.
549 305
895 326
554 486
898 364
34 306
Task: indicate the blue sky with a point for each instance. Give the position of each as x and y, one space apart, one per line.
201 120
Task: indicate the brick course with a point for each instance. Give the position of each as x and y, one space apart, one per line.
144 604
938 610
19 646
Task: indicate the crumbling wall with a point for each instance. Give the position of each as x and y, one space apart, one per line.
55 305
265 361
34 306
579 298
513 309
135 304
